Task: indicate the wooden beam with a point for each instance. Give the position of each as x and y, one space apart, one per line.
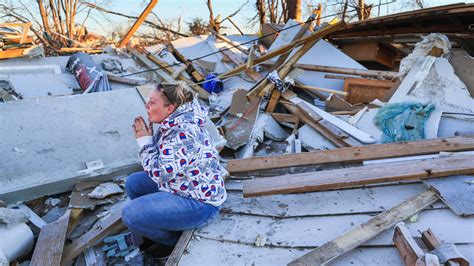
353 154
366 231
191 70
94 236
50 244
286 48
138 23
12 53
359 176
179 248
347 71
280 117
343 93
314 121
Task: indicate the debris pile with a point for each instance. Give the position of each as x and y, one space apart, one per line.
333 135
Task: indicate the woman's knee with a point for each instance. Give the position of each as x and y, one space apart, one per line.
134 183
129 216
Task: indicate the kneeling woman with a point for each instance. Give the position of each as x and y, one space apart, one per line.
182 187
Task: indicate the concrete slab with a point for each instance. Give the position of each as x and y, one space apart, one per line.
43 85
46 143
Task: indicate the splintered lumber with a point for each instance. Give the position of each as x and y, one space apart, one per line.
409 250
359 176
286 48
94 236
315 122
353 154
191 70
50 244
179 248
366 231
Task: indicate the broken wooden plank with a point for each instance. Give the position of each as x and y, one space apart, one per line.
353 154
456 191
346 127
50 244
94 236
407 246
179 248
286 48
314 122
191 70
281 117
359 176
368 230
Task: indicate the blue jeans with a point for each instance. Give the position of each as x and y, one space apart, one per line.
161 216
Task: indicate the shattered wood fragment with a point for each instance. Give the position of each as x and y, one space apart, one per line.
407 247
359 176
180 248
191 70
50 245
289 118
273 101
94 236
430 240
366 231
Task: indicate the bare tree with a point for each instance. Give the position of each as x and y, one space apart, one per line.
214 23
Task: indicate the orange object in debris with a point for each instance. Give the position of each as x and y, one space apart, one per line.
138 23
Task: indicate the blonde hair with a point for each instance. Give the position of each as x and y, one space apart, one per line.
177 93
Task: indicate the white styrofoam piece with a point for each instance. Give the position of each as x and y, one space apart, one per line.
344 126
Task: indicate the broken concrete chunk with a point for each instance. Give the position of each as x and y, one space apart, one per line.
104 190
11 217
